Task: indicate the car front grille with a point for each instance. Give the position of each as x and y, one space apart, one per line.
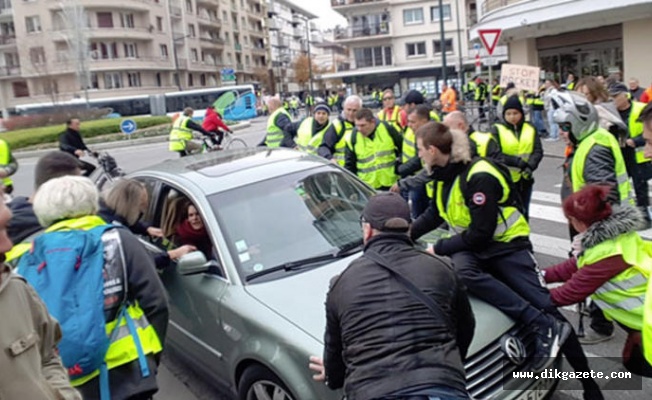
485 369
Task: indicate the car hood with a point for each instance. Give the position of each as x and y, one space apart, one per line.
309 314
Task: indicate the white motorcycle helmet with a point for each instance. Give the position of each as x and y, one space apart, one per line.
573 108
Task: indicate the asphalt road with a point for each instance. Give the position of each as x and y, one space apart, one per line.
549 235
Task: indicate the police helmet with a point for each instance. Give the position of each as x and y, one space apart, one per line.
573 108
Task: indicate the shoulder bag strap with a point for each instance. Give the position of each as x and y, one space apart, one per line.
411 288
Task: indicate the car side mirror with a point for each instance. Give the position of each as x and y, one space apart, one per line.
193 263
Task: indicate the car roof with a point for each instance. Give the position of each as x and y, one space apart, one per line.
223 170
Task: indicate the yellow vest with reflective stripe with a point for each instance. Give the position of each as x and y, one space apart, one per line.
274 133
180 134
481 140
376 158
305 139
394 119
344 133
647 324
636 128
623 297
511 223
600 137
434 116
5 158
409 147
521 146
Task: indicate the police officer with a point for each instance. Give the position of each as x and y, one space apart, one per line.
638 166
373 150
8 166
392 113
310 131
521 148
277 124
181 134
333 145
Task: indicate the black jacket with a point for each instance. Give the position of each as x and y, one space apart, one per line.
71 140
517 162
478 237
23 222
331 137
380 339
600 168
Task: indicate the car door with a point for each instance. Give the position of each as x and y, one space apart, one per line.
194 300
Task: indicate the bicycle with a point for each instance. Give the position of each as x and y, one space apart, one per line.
210 143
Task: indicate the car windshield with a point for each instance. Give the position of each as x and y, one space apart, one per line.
291 218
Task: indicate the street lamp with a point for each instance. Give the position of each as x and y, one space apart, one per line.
443 41
176 58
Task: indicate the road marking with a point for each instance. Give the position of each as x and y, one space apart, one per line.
546 197
548 213
550 245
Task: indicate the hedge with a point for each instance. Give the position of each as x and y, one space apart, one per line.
49 134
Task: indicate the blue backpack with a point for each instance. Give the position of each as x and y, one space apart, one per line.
66 270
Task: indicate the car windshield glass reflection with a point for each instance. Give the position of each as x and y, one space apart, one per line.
291 218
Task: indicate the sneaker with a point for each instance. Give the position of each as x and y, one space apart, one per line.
592 337
548 342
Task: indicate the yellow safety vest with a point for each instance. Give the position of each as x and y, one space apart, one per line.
600 137
393 119
481 140
434 116
5 158
622 298
306 141
376 158
647 324
409 147
519 146
274 133
344 133
571 86
496 93
511 223
636 129
180 134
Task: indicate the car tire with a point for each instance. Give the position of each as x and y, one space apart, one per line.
258 379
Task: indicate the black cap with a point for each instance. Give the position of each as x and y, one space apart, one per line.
513 103
413 96
617 88
322 107
387 212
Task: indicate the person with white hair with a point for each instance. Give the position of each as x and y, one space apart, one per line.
131 283
279 121
333 145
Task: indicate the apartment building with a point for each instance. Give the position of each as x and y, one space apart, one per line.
583 37
291 33
125 47
332 57
398 43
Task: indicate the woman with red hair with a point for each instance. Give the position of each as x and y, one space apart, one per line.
611 263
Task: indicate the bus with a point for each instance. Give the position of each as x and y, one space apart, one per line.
235 103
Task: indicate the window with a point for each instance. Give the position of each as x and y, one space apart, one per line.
415 49
20 89
437 46
193 55
33 24
372 56
112 80
133 79
202 79
158 79
104 20
131 50
37 55
95 84
191 30
164 51
434 13
189 6
190 81
413 16
159 24
104 50
127 20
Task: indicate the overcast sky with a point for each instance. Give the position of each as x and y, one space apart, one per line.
329 18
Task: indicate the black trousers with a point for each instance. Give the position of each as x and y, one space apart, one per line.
511 283
524 188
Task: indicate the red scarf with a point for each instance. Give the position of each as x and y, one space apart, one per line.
186 234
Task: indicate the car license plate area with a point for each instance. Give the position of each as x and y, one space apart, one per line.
537 391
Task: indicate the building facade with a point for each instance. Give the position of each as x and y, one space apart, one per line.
331 57
398 43
583 37
125 47
291 34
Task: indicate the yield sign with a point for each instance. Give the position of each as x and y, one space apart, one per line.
489 38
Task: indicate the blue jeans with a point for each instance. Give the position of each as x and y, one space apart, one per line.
553 129
537 119
428 393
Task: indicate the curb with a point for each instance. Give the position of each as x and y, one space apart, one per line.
115 144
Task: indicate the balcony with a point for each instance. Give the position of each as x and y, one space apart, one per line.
136 5
7 40
135 33
260 51
208 19
272 25
492 5
97 63
352 4
208 2
6 11
298 33
9 70
359 32
257 32
282 42
176 12
239 67
235 27
211 42
274 10
238 47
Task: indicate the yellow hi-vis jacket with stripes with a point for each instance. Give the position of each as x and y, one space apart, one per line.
306 141
5 158
180 134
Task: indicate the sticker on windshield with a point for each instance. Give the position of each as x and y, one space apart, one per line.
258 267
241 246
244 257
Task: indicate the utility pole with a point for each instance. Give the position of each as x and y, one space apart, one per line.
442 32
309 58
76 23
459 45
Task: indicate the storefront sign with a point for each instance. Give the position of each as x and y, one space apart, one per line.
524 77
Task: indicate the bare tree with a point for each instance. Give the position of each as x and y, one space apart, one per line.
75 22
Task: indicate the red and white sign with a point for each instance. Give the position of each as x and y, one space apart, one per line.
477 60
489 38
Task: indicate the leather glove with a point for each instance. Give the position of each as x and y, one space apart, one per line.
527 173
522 164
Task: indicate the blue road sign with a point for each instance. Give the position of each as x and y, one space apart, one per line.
228 71
128 126
476 46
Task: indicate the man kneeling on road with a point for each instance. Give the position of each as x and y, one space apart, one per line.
398 322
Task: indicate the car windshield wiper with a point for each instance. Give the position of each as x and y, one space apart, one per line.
343 251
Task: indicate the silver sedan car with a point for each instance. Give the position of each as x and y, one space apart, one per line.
248 311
